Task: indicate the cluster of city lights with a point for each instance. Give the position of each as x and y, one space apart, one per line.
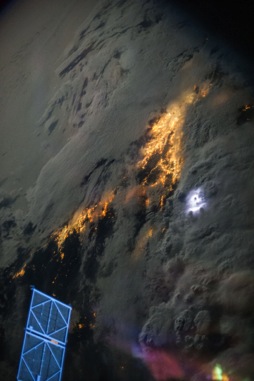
80 220
165 143
165 140
20 273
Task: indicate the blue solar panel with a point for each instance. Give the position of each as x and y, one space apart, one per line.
45 339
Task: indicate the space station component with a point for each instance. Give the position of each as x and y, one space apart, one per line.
45 339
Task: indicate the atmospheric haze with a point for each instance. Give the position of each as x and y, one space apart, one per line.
127 189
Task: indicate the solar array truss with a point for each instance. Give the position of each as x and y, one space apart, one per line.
45 339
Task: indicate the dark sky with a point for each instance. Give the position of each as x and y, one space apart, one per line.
5 4
232 21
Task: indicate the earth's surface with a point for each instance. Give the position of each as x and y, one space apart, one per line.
127 189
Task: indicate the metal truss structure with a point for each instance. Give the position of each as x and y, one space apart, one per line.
45 339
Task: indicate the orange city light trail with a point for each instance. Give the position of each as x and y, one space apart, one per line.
164 139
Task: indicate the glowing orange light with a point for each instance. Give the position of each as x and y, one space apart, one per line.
164 144
150 233
160 165
162 201
205 89
105 209
20 273
79 222
147 202
247 107
142 241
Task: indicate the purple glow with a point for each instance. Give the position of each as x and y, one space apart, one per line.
161 364
195 201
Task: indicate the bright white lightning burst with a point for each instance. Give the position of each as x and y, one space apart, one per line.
195 201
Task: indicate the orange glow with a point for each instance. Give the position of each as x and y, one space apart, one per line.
142 241
162 201
79 222
164 144
205 89
80 326
247 107
150 233
105 209
20 273
134 192
159 169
